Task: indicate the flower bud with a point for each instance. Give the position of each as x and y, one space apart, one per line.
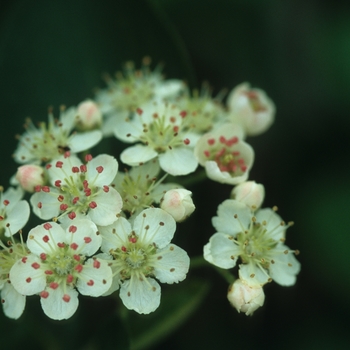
178 203
29 176
88 116
251 108
249 193
245 298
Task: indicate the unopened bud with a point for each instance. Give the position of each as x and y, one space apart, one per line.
178 203
29 176
245 298
249 193
89 115
251 108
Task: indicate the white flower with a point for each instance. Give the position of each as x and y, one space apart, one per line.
245 298
81 190
250 193
140 188
257 239
57 265
159 127
13 302
89 115
226 158
178 203
251 108
49 141
29 176
132 89
140 254
14 212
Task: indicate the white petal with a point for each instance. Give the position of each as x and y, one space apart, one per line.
13 195
227 223
116 235
178 161
172 264
221 251
83 233
155 226
125 126
110 169
137 154
96 278
273 220
42 240
253 274
13 302
27 276
45 205
60 304
17 218
109 204
60 173
82 141
143 296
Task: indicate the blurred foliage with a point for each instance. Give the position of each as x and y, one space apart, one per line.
54 52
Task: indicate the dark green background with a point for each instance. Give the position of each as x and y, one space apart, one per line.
54 52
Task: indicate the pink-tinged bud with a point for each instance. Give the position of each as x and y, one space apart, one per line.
88 116
29 176
178 203
251 108
249 193
245 298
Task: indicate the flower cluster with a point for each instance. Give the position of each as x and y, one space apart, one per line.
104 230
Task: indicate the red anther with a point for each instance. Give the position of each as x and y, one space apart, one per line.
37 188
172 119
155 115
88 157
46 238
139 111
106 188
87 192
24 259
44 294
48 166
76 257
83 168
87 239
6 202
43 256
92 205
72 228
47 226
61 245
211 141
79 268
222 139
96 264
58 183
243 168
75 169
231 141
59 164
75 200
45 189
206 153
66 298
28 280
63 207
53 285
123 249
187 141
40 205
183 114
90 283
48 272
66 154
176 128
72 215
133 239
70 279
221 152
99 169
60 198
35 265
74 246
85 184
